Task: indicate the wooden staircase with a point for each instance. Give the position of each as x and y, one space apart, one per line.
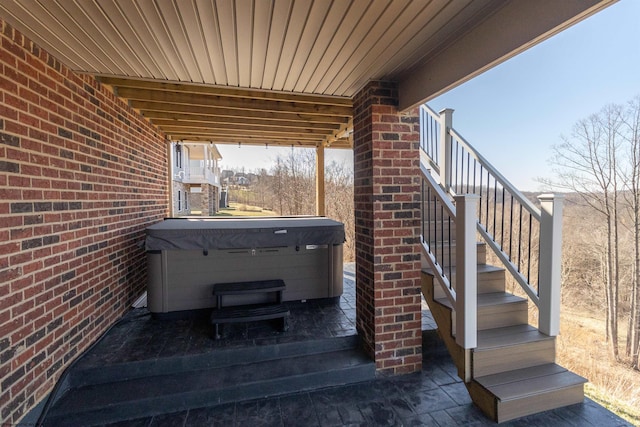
512 371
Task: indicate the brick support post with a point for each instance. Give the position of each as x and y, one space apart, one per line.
386 193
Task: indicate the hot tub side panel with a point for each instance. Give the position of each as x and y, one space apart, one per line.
183 279
155 282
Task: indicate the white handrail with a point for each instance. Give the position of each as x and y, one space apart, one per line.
444 281
464 297
432 113
446 202
424 109
440 142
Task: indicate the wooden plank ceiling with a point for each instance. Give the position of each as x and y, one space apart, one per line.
279 72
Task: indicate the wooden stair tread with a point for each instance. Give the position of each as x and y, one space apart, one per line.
481 268
513 371
256 286
249 313
489 300
509 336
498 298
516 329
520 374
536 385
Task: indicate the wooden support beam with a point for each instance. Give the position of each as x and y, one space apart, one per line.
320 191
180 98
178 117
239 127
149 107
225 91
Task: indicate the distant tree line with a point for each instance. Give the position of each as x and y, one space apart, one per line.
600 164
289 188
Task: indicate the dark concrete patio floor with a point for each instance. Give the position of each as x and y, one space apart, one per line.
433 397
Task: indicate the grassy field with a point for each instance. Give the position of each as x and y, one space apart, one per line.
240 209
582 349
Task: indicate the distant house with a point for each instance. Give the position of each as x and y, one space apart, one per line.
195 177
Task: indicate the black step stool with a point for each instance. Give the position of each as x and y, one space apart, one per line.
249 313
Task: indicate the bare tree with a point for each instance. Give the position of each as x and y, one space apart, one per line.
339 197
289 189
583 258
587 164
279 177
630 132
295 182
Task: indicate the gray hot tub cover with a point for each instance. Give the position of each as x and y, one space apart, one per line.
226 233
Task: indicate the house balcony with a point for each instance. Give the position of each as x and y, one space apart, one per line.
148 371
199 175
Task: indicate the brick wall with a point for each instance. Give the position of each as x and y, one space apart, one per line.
81 176
386 196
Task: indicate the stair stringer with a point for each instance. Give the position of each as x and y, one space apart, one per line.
443 317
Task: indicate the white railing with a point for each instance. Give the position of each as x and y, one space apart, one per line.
525 239
201 174
439 216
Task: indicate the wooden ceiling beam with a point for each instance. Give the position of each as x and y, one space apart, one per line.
243 139
223 91
171 124
242 133
149 108
174 98
344 132
177 118
209 113
256 140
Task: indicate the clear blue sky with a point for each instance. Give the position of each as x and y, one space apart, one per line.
516 111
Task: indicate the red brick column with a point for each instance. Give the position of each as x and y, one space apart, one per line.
387 190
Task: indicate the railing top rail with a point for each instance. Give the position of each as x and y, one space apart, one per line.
446 202
430 111
498 176
425 158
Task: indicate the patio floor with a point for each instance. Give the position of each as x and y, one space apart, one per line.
433 397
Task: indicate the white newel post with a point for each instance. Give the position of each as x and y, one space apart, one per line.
550 263
466 271
446 120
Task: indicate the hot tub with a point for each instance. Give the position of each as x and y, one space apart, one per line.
186 256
